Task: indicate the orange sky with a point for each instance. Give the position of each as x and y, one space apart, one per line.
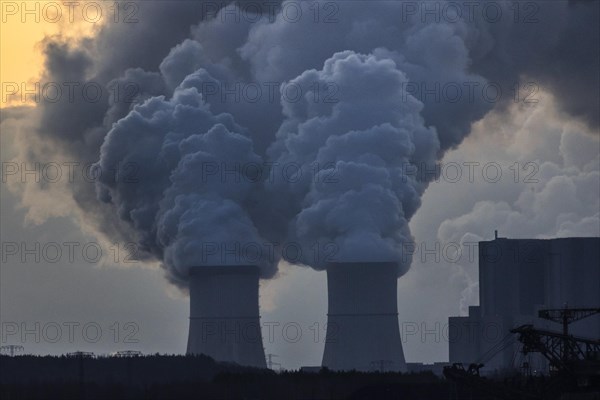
24 24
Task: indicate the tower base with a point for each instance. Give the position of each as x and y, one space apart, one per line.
224 316
362 322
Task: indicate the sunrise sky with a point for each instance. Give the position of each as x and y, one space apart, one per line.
22 32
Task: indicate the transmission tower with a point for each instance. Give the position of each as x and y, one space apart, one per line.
12 348
270 362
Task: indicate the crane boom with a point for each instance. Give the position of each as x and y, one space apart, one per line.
566 316
565 352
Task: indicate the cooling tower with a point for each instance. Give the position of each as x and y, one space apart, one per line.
362 319
224 319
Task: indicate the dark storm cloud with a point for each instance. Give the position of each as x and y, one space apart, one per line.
554 45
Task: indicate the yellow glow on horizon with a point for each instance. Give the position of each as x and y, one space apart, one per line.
25 25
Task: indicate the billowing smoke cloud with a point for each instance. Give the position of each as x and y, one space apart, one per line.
555 194
350 157
433 55
176 197
72 128
382 59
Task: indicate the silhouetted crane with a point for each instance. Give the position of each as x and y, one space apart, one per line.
565 352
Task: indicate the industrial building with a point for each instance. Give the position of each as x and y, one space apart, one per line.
362 320
224 316
517 278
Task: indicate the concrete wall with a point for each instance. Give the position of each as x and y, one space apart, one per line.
362 319
224 316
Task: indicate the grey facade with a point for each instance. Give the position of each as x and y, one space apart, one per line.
224 316
362 319
518 277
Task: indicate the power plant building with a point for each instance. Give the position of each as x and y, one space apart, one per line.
224 314
517 278
362 320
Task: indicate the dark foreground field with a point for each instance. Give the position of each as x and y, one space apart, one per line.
181 377
177 377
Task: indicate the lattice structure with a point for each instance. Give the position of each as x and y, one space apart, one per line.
565 316
562 350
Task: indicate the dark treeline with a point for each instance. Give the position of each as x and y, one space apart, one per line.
169 377
129 371
200 377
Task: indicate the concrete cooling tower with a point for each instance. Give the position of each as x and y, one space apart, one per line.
362 319
224 318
